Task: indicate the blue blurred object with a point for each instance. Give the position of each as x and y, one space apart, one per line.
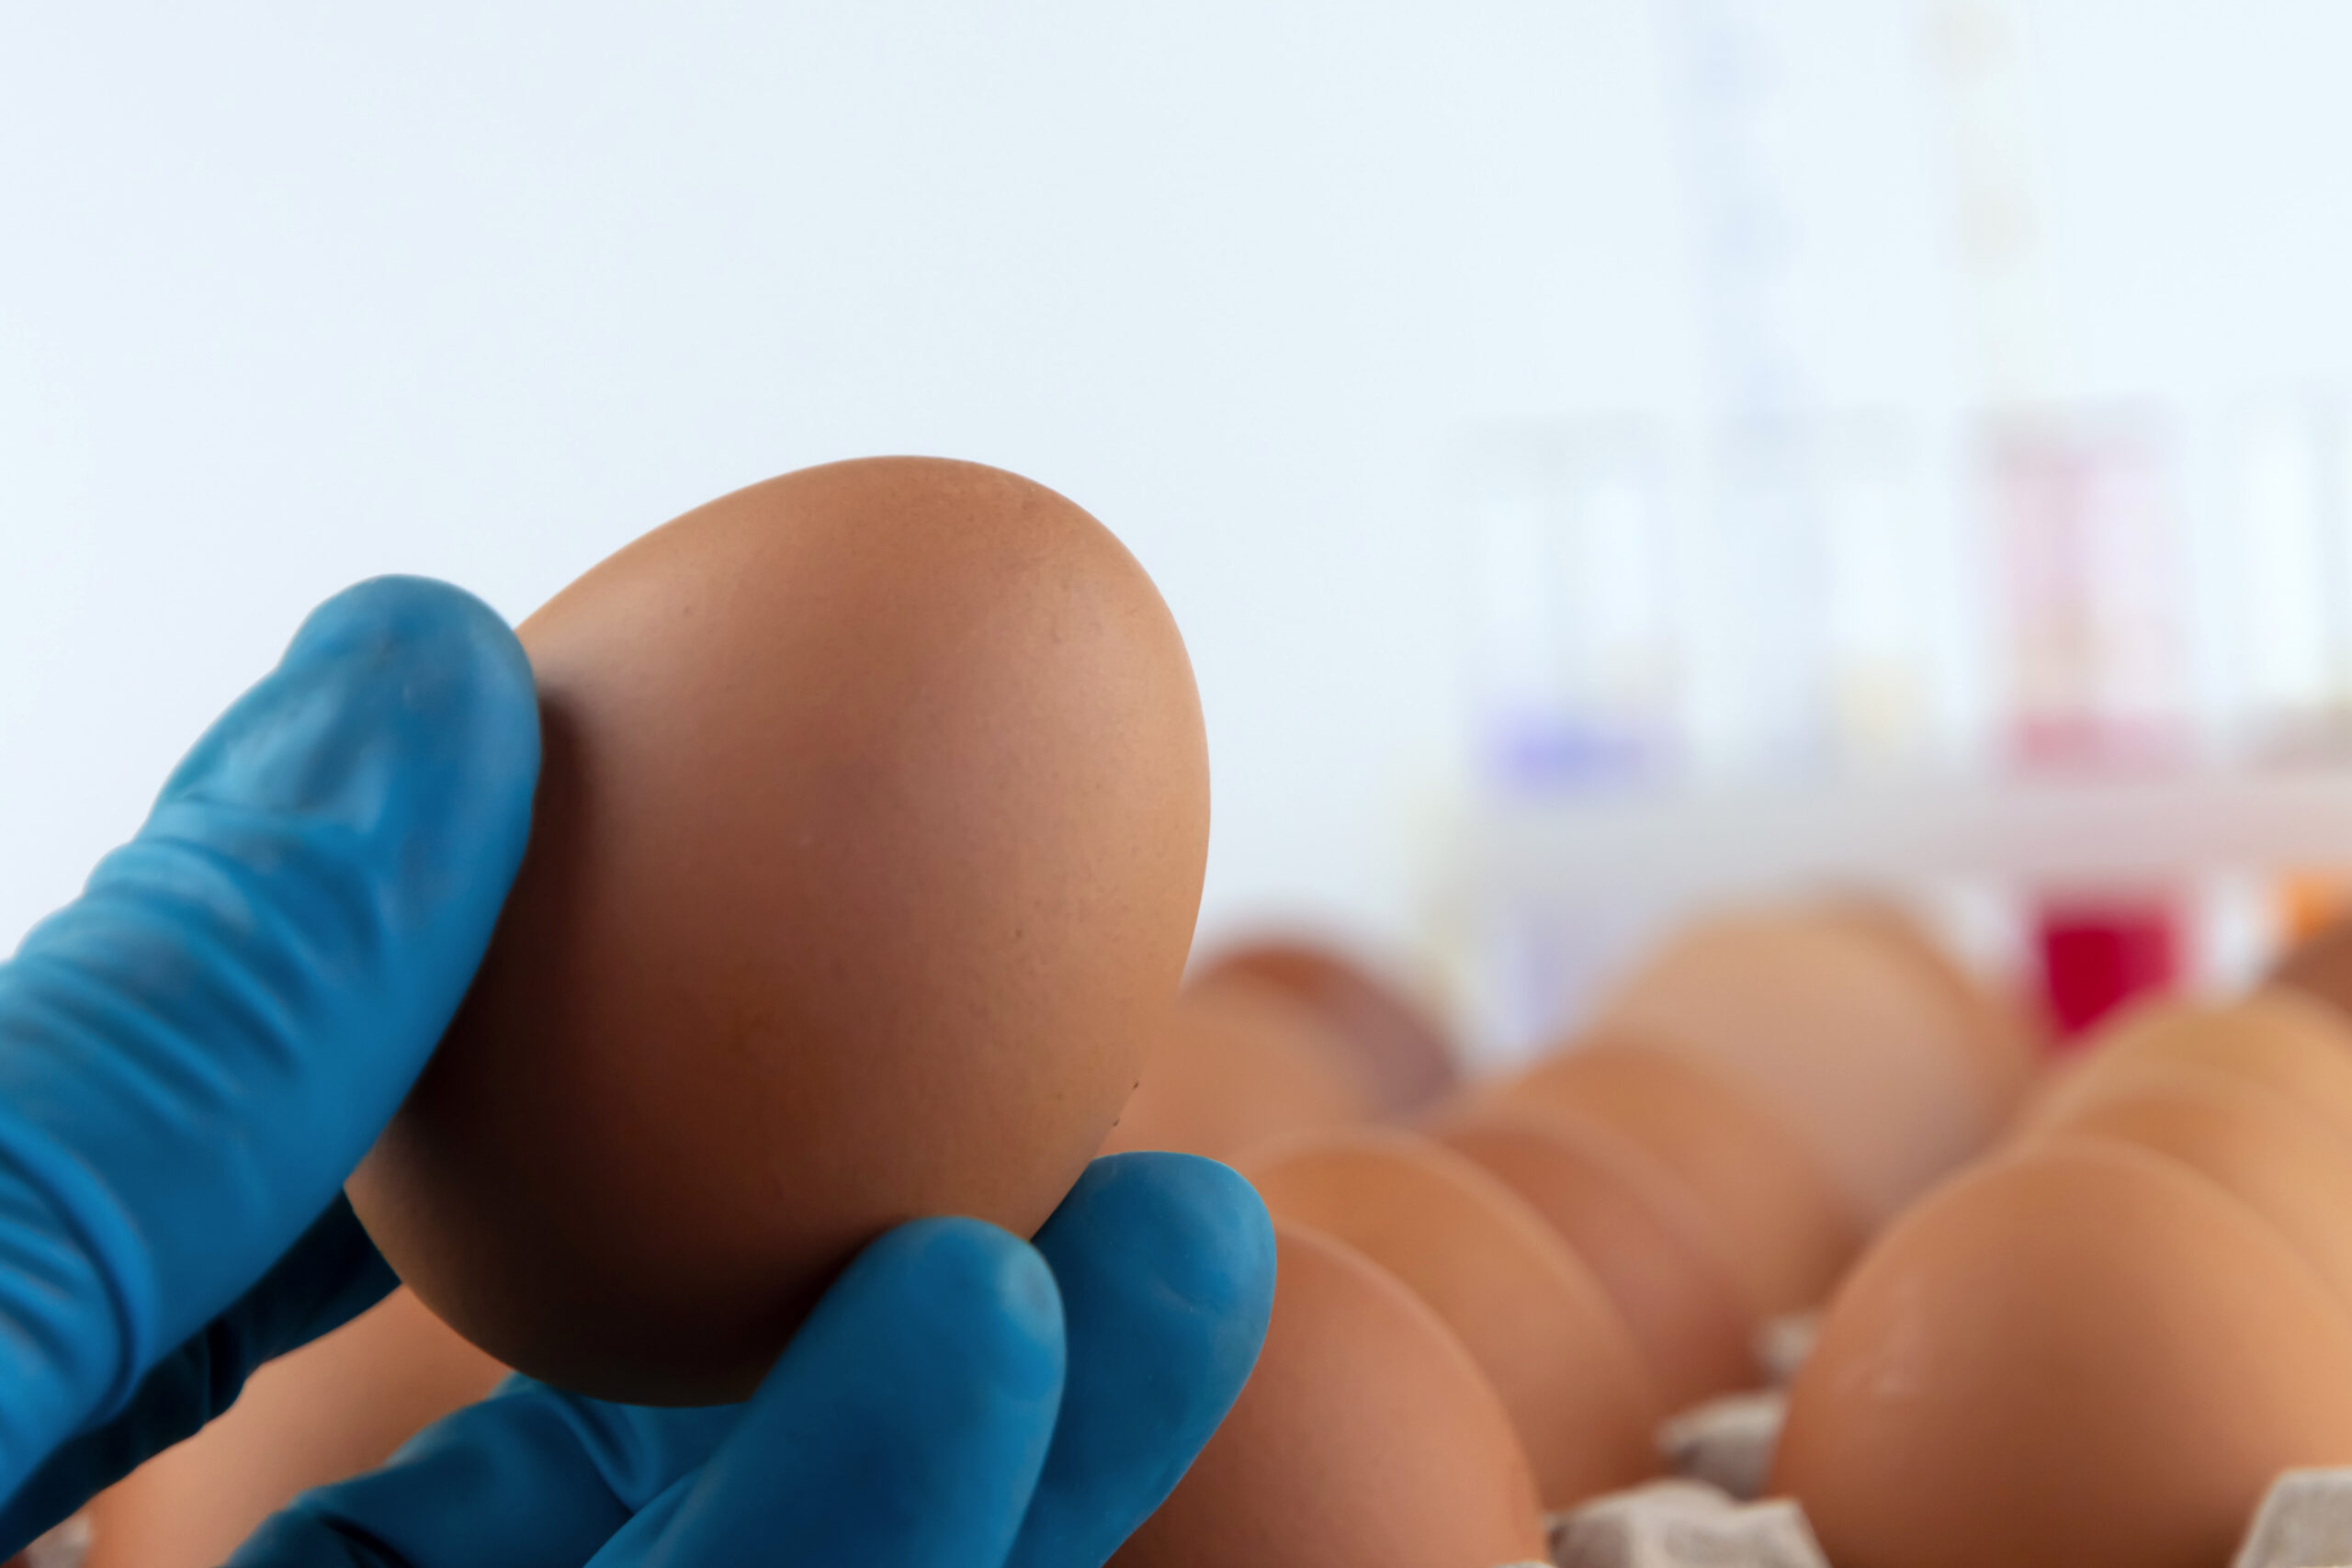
195 1053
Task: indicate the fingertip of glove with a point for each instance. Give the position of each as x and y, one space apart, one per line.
441 656
417 621
1202 1227
983 1294
403 706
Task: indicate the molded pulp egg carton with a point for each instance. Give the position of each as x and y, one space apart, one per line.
1709 1515
1683 1524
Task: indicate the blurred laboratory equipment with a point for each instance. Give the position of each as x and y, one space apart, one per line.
1577 619
2091 623
1961 658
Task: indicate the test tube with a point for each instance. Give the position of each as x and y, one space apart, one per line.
1578 667
2093 623
1888 693
1579 688
1762 707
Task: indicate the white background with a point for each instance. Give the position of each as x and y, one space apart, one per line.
293 295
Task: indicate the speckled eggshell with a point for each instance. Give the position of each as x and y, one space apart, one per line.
1645 1239
1366 1437
869 836
1406 1056
1234 1064
2084 1353
1530 1312
1842 1035
1786 1228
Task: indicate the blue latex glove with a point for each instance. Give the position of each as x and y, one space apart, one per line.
195 1053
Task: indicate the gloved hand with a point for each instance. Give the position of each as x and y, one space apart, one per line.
195 1053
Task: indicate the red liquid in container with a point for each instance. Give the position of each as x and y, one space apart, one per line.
2097 956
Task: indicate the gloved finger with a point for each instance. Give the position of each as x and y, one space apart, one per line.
327 1278
196 1052
904 1425
531 1477
1166 1264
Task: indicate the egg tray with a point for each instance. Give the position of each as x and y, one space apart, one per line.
1683 1524
1709 1515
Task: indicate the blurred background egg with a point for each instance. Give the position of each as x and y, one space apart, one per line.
2084 1353
1404 1054
2321 965
1787 1230
338 1406
2276 1037
1530 1312
868 842
1645 1239
1849 1041
2003 1045
1365 1437
1237 1063
2290 1169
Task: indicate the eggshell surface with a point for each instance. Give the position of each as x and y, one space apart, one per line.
2320 966
1404 1053
1234 1064
869 838
1529 1311
1643 1237
2084 1353
1842 1036
2288 1168
1366 1437
1786 1228
2278 1037
2002 1042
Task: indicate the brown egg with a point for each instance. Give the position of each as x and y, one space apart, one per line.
1858 1053
1530 1312
2286 1166
1234 1064
1366 1437
1409 1063
1786 1229
2320 966
1643 1235
2004 1043
2084 1353
2277 1037
2049 1087
872 819
338 1406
